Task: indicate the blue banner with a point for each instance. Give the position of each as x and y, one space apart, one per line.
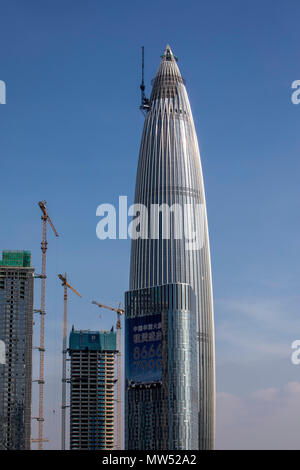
144 349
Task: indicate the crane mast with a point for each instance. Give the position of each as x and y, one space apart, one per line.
145 102
119 311
65 285
41 381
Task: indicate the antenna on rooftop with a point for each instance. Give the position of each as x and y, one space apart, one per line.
145 102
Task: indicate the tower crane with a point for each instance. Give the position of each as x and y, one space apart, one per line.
145 102
65 285
41 381
119 311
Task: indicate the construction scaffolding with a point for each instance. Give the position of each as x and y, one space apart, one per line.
16 328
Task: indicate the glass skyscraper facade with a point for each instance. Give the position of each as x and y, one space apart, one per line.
16 329
173 408
161 368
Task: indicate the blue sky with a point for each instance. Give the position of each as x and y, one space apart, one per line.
70 134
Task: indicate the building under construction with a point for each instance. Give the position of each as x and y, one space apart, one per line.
16 327
92 389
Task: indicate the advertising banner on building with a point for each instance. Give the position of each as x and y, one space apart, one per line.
144 349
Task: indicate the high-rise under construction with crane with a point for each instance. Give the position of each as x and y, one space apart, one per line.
169 324
92 389
16 329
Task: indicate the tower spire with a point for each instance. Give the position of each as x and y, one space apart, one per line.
168 54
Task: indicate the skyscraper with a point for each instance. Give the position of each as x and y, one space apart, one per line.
170 365
92 389
16 328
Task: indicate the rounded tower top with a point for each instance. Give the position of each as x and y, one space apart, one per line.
167 77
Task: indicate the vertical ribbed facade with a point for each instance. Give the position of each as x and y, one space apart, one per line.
92 390
16 329
169 172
